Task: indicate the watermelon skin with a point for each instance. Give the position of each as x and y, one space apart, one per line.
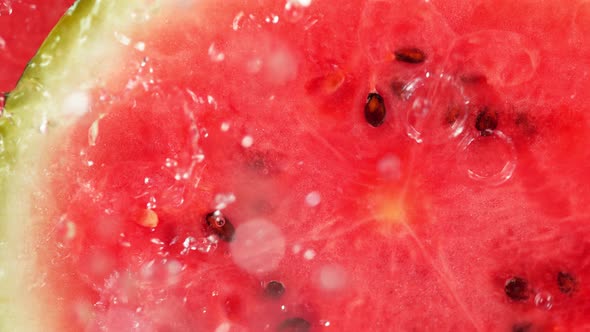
420 247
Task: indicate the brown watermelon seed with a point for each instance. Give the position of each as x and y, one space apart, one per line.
473 79
410 55
375 109
522 327
524 122
517 289
295 324
566 282
220 225
486 121
274 289
453 114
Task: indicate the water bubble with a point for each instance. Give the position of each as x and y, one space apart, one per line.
222 200
215 53
5 7
93 133
489 159
313 199
435 107
295 9
274 19
151 204
332 277
544 300
121 38
258 246
236 21
389 167
247 141
309 254
170 163
203 244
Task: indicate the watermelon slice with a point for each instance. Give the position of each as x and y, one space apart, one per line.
300 166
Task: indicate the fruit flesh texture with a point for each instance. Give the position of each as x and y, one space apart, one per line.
402 236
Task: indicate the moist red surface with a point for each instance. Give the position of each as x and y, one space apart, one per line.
402 238
23 26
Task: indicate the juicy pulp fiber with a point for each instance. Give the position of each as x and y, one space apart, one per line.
147 119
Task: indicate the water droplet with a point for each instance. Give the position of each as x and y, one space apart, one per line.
332 277
121 38
5 7
222 200
309 254
389 167
258 246
517 289
489 159
170 163
2 43
93 132
325 323
236 21
544 300
247 141
204 245
215 53
427 101
313 199
294 11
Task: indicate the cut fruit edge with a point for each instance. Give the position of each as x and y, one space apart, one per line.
37 112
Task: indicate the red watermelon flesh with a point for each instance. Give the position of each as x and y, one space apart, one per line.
226 176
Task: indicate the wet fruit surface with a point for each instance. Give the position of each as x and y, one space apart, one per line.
304 169
23 26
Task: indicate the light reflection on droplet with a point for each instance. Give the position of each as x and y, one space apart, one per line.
489 159
544 300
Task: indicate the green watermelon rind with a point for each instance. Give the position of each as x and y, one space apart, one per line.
33 116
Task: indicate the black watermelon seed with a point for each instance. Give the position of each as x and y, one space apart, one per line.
295 324
566 282
522 327
410 55
375 110
486 121
517 289
274 289
220 225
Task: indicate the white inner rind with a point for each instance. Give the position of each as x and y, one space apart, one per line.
77 57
